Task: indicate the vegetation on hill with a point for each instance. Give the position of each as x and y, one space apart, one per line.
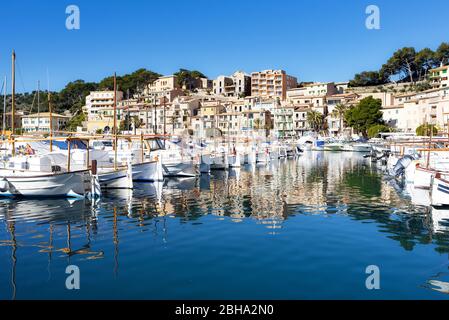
405 65
73 96
186 78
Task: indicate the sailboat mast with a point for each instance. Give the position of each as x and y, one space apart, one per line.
38 106
4 108
51 120
13 101
115 121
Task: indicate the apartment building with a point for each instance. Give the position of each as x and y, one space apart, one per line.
439 77
413 110
395 118
283 122
314 89
256 120
272 84
40 122
209 111
236 85
100 110
300 124
163 89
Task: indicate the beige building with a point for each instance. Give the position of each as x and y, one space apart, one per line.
100 110
413 110
314 89
41 122
300 124
164 89
236 85
272 84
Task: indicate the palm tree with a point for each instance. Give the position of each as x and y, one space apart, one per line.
315 120
339 112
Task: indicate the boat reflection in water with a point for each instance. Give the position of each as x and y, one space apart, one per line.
282 224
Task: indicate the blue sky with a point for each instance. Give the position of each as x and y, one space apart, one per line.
315 40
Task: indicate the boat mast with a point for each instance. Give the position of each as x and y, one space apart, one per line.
38 106
4 108
13 101
115 121
51 120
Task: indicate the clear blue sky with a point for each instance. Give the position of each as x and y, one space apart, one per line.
319 40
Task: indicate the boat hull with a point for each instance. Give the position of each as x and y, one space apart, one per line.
148 171
68 184
179 169
116 179
440 192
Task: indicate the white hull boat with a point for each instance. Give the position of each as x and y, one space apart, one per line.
115 179
150 171
440 191
423 177
179 169
361 147
334 147
41 184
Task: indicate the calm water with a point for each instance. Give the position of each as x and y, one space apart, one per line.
300 229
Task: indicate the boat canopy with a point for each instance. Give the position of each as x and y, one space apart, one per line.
63 145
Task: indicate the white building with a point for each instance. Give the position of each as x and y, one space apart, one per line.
100 110
40 122
236 85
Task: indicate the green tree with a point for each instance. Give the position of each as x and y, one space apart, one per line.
315 120
374 131
339 112
73 96
424 130
425 60
132 83
403 63
364 115
367 78
442 53
76 121
186 78
125 124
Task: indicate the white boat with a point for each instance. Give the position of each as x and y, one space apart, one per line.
115 179
333 147
41 184
439 191
361 147
423 177
175 161
149 171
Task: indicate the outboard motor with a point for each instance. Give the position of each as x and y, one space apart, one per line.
4 185
401 165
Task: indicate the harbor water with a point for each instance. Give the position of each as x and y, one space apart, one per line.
305 228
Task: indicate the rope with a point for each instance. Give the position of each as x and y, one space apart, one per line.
20 76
